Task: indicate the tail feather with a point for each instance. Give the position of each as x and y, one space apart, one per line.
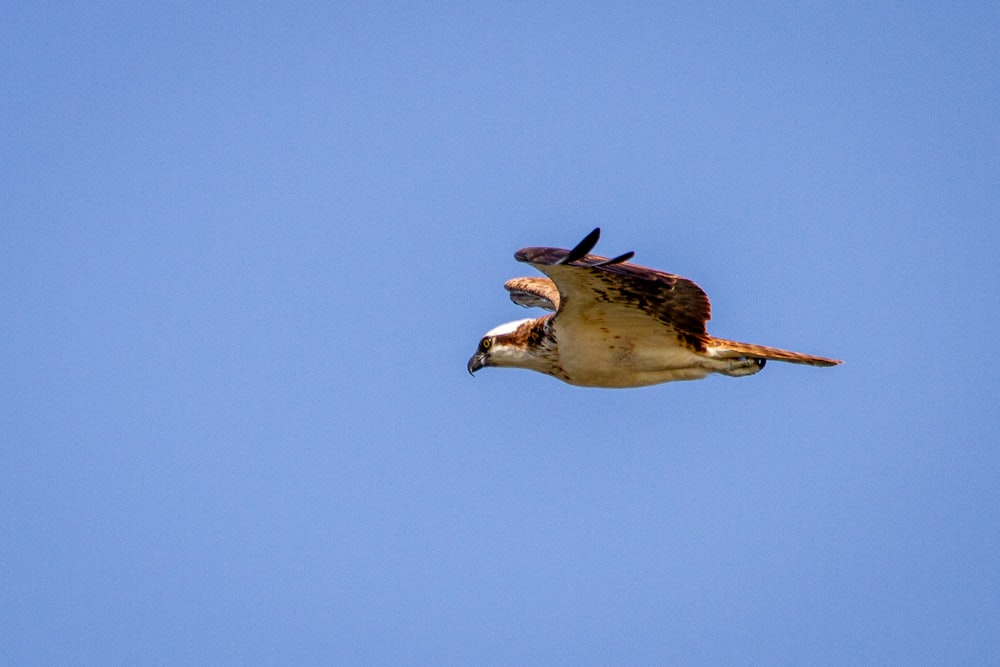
729 349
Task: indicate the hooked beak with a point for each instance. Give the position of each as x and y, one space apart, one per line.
477 361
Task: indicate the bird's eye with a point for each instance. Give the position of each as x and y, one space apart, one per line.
486 343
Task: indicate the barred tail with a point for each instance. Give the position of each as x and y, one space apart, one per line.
730 349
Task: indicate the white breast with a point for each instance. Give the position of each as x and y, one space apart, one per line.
599 356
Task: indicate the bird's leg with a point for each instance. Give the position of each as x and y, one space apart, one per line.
743 366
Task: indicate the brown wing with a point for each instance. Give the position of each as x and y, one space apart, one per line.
533 292
636 299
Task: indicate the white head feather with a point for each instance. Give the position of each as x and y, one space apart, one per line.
509 327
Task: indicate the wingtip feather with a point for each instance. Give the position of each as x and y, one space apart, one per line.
582 248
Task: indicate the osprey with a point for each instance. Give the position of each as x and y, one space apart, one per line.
616 325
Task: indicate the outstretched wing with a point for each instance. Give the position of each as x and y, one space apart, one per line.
623 299
533 293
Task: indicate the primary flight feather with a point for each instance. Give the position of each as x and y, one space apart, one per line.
616 324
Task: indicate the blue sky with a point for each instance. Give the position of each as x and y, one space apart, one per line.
247 252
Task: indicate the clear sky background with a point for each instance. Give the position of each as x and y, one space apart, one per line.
246 253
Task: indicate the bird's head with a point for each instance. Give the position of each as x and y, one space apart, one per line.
506 345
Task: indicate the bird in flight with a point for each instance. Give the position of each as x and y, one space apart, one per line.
616 324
